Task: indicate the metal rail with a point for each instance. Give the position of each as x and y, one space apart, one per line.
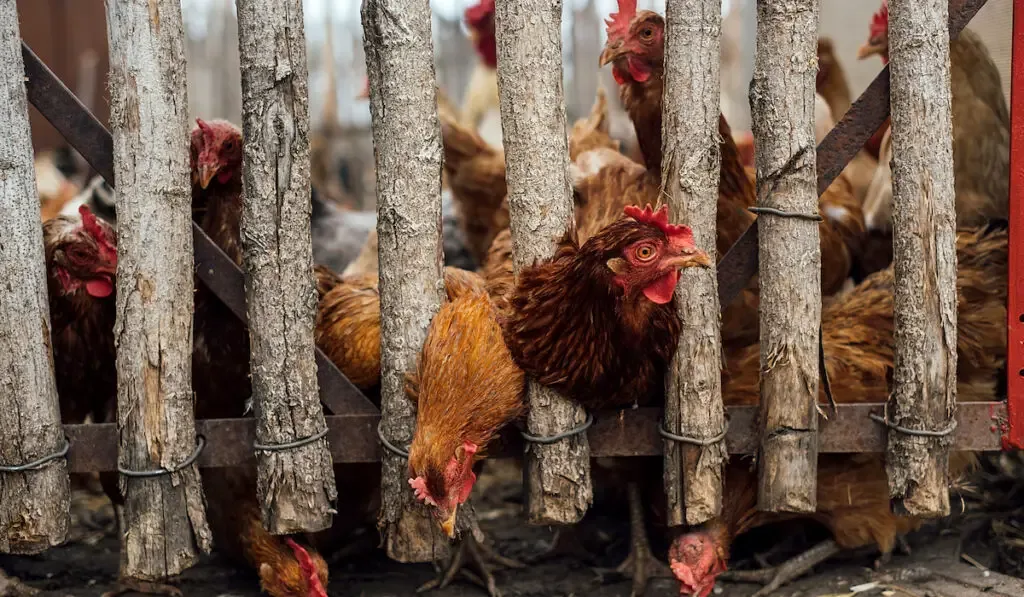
353 438
1015 292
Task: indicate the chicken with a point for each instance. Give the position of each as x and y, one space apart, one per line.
596 321
857 330
81 264
481 109
285 567
460 409
635 49
476 176
981 129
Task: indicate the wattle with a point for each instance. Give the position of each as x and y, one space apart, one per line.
661 291
99 288
638 70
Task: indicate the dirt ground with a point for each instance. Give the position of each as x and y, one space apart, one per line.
956 558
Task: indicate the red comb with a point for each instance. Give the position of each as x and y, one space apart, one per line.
206 128
476 14
880 21
316 588
617 23
660 219
93 227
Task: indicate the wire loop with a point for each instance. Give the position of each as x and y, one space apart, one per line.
533 439
39 463
289 445
160 472
914 432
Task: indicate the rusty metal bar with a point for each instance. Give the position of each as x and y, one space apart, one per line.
739 264
89 137
1014 436
353 438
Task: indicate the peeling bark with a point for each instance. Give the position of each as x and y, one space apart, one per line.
165 516
296 486
693 405
407 147
782 105
924 256
33 504
529 36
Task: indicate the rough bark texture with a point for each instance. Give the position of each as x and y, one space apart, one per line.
34 504
165 516
782 103
693 406
296 486
407 147
924 252
529 36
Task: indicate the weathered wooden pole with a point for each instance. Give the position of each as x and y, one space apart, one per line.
924 255
164 513
34 502
529 36
782 105
693 408
407 146
295 473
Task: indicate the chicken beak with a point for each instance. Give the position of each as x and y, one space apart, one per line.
868 49
206 174
612 52
448 525
695 259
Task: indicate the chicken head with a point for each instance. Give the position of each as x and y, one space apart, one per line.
878 35
216 152
305 576
82 256
635 46
651 263
445 490
480 20
696 562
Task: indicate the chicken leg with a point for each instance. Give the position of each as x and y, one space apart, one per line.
640 565
774 578
481 556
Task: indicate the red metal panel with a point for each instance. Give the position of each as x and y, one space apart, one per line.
1014 436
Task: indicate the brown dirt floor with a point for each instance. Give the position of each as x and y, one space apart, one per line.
956 558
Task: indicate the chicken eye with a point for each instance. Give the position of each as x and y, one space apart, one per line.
229 145
647 33
645 253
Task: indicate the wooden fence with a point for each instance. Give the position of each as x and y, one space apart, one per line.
157 446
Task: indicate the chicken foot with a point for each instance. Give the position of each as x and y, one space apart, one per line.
776 577
640 565
481 556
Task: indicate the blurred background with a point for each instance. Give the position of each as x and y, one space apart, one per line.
70 36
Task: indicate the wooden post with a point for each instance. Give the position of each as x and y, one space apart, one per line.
407 142
295 483
924 255
165 515
529 36
34 503
782 105
693 408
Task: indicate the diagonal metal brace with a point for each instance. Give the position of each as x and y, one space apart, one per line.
220 274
